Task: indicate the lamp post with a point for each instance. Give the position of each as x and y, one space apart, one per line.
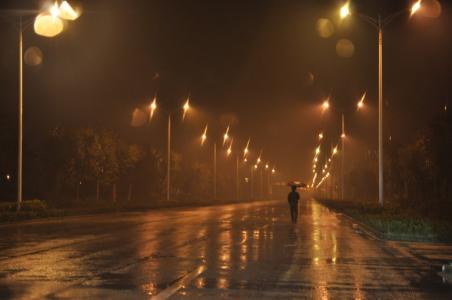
379 24
326 105
226 137
48 22
185 109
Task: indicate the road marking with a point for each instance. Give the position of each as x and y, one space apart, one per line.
184 281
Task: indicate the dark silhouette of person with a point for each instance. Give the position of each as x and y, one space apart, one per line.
293 198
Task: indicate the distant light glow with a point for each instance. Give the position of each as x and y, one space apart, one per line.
54 10
245 151
361 101
229 151
326 104
186 107
66 12
343 135
273 170
153 107
320 136
415 7
8 177
345 10
226 135
204 135
47 25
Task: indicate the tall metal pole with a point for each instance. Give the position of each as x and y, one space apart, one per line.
237 182
270 184
215 171
342 157
251 184
380 114
261 190
20 141
269 179
168 170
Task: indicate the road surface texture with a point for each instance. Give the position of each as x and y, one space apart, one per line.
246 251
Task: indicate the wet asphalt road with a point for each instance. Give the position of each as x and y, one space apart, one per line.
247 251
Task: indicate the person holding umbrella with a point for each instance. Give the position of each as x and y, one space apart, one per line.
293 198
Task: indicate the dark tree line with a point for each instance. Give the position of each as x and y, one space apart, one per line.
417 174
87 167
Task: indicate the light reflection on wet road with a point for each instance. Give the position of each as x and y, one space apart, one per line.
232 251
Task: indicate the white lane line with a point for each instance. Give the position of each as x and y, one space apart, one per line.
184 281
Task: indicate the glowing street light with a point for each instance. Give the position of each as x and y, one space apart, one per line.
153 107
361 101
226 135
186 107
379 24
415 7
246 150
345 10
229 151
49 23
326 104
204 136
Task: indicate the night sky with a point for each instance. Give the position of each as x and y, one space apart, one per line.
249 61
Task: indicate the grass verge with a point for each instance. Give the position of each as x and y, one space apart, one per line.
395 222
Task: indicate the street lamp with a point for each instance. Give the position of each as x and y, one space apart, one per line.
185 108
360 103
226 135
326 104
204 136
49 23
379 24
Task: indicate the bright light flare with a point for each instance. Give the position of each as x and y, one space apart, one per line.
415 7
186 107
47 25
326 104
321 136
266 166
317 151
345 10
226 135
66 12
246 150
229 151
343 135
258 161
204 136
335 150
152 107
255 166
361 101
273 170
